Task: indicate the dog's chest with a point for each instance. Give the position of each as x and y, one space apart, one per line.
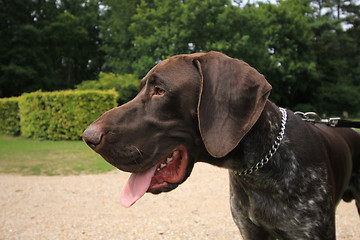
294 199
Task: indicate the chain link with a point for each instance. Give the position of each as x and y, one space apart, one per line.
272 150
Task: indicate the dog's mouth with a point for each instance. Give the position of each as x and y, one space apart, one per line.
164 176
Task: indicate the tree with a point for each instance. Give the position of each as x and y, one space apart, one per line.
255 34
308 50
292 63
117 39
127 86
337 57
73 43
66 39
165 28
20 45
48 44
24 70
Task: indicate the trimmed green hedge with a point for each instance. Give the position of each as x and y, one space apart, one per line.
127 86
9 116
62 115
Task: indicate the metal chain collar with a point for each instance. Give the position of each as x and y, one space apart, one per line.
272 151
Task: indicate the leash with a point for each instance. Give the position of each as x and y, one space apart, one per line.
308 117
331 122
272 150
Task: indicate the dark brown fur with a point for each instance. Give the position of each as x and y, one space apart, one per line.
217 108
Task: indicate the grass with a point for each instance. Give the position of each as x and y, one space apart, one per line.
31 157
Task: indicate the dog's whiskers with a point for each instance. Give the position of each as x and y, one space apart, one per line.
138 150
141 156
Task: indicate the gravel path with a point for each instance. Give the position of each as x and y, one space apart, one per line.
88 207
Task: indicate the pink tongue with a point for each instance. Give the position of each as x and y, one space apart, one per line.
136 187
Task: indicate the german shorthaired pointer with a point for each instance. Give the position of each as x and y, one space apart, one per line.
286 175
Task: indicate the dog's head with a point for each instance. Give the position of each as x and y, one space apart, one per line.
185 103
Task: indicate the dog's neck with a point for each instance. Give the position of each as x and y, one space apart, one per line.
255 144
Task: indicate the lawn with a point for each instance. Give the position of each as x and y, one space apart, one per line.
31 157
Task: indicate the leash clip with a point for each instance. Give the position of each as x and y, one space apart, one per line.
312 117
315 118
332 122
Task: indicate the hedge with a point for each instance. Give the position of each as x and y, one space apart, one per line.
127 86
9 116
62 115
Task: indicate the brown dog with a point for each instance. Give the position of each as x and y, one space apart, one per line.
286 175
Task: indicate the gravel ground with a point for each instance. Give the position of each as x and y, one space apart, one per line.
88 207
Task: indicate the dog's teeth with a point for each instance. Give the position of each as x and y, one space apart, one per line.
175 153
169 159
158 169
162 165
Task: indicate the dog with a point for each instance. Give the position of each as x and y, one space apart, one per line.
286 175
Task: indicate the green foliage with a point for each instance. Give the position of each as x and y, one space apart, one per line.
9 116
48 45
300 46
339 98
161 29
337 54
292 67
116 37
62 115
275 39
127 86
303 47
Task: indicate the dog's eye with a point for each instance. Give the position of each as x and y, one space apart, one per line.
159 91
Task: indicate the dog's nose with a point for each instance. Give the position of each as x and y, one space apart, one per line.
92 136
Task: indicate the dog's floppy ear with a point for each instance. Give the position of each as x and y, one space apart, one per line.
232 97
